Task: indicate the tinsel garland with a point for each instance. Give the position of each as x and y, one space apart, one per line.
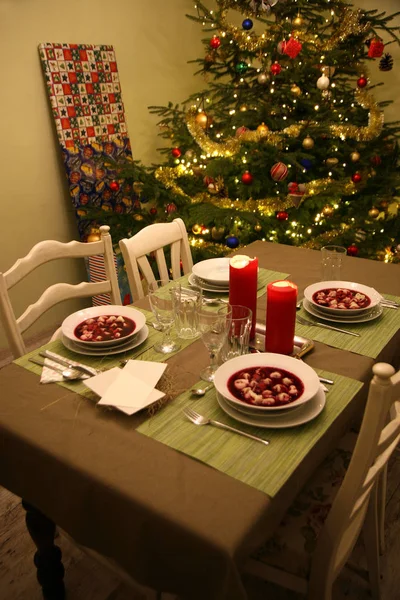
375 121
317 242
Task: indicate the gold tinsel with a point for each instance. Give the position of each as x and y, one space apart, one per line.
321 240
349 25
375 121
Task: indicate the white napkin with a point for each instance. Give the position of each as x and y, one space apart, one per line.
50 375
129 389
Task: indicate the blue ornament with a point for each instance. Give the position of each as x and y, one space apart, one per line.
247 24
232 241
143 199
306 163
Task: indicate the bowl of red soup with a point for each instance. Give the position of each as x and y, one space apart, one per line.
341 297
107 325
266 382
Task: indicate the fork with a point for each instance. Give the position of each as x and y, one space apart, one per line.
303 321
197 419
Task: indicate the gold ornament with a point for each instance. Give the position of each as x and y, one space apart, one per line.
138 217
196 170
331 162
258 227
308 143
373 212
201 119
263 129
94 235
295 90
355 156
384 204
212 188
263 78
197 229
137 187
327 211
298 21
217 233
243 108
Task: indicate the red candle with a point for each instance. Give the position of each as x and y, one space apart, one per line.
281 317
243 273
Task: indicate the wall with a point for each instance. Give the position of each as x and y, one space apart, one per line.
153 42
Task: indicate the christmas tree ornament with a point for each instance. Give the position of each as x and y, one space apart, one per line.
212 188
247 178
153 211
295 90
384 204
281 47
247 24
352 250
327 211
176 152
331 162
279 171
114 186
137 187
282 215
207 180
241 67
263 129
197 229
94 235
386 63
376 160
170 208
362 82
398 249
360 235
241 130
292 47
323 82
257 227
138 217
144 200
308 143
355 156
243 108
373 212
306 163
136 206
201 119
328 70
196 170
189 154
276 68
376 48
217 233
210 58
372 173
298 21
232 241
215 42
262 78
356 177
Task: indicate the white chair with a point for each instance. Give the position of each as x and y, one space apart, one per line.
154 238
40 254
316 536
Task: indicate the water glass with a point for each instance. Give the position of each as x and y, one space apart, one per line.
188 302
332 259
237 340
214 324
163 306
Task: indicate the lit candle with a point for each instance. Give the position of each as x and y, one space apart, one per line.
243 273
281 317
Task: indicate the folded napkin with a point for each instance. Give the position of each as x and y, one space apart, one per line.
50 375
129 389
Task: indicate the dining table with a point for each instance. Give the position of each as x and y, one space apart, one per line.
165 516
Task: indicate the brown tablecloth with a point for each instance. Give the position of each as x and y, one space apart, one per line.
173 523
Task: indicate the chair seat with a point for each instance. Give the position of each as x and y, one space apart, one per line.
290 548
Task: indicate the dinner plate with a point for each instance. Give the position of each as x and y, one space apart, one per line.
213 270
372 294
207 287
373 314
138 339
305 413
248 409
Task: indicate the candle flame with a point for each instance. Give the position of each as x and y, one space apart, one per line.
284 284
240 261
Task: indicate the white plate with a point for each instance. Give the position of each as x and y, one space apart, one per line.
350 285
305 413
248 409
138 339
72 321
213 270
363 318
207 287
304 372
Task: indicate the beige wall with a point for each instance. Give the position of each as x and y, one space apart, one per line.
153 42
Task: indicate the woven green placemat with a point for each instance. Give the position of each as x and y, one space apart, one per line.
374 335
266 468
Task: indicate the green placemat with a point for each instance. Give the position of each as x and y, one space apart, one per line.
266 468
374 335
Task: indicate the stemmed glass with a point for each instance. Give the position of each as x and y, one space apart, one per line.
163 305
214 325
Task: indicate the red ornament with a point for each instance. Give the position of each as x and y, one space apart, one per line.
279 171
170 208
207 180
241 130
153 211
356 178
376 48
215 42
282 215
352 250
247 178
176 153
292 47
276 68
362 82
376 160
114 186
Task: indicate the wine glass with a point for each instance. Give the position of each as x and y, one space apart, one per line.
163 305
214 325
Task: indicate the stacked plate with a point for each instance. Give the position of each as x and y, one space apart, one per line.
211 275
342 302
269 390
101 330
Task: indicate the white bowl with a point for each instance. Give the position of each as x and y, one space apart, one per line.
305 373
350 285
213 270
71 323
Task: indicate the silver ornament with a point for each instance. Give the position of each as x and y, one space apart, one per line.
323 82
262 78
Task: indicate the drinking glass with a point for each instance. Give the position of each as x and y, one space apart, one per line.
214 325
163 305
332 258
188 301
237 340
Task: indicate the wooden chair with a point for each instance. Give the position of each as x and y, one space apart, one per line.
40 254
154 238
318 533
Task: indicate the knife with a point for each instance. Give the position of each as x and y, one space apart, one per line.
63 361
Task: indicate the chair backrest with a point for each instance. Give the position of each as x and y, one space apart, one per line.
40 254
378 437
153 239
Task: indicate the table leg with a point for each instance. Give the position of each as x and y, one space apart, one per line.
47 559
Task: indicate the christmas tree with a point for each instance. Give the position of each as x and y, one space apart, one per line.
286 142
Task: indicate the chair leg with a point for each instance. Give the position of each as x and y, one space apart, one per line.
382 481
371 541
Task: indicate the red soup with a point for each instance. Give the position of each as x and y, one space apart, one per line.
341 298
265 386
104 328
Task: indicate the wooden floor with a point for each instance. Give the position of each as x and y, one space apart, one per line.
87 580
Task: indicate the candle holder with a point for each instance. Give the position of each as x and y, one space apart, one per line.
281 317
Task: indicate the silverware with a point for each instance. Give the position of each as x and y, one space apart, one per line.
200 420
390 305
63 361
70 374
325 380
319 324
298 305
201 391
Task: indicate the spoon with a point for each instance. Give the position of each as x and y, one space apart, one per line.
201 391
70 374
